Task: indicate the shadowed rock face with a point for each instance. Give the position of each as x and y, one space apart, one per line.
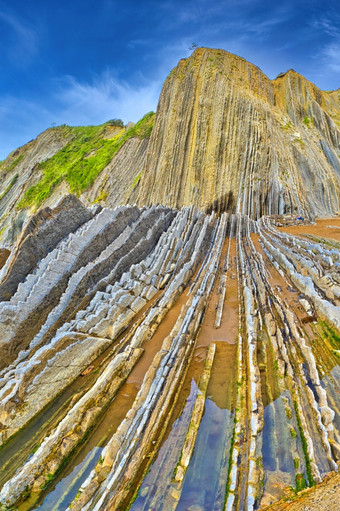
40 235
224 130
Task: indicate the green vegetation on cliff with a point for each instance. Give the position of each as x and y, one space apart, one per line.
90 149
10 163
11 184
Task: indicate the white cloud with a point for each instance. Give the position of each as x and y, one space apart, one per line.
24 45
105 98
75 103
328 26
331 54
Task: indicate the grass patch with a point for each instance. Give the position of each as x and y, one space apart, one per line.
2 231
300 483
287 126
9 166
288 413
101 197
304 446
330 334
78 495
230 461
35 448
299 141
26 493
11 184
136 181
82 159
49 478
307 122
240 382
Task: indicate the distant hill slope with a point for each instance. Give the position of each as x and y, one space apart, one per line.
99 163
225 137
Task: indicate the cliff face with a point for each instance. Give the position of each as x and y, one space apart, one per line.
164 358
227 137
21 171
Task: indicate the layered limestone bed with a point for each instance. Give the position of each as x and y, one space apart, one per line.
225 137
156 358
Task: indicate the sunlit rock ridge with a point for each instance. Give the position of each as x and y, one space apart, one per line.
227 137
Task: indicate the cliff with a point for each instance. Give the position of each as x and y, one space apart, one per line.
225 137
168 357
97 163
228 138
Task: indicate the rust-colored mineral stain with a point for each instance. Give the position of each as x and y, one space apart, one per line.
117 410
324 227
195 370
281 286
221 387
229 324
4 255
153 345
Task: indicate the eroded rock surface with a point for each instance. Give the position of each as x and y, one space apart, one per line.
129 294
228 138
225 138
41 235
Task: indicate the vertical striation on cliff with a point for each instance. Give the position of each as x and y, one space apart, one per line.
228 138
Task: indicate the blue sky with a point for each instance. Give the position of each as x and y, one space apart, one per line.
87 61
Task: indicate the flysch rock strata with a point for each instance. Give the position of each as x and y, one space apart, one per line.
100 297
225 137
228 138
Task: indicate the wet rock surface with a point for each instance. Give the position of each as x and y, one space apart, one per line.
125 298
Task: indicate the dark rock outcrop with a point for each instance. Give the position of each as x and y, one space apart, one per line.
41 235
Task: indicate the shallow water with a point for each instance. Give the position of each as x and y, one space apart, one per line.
66 489
65 486
205 480
279 449
157 481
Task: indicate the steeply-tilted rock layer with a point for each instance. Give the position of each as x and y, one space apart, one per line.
228 138
225 138
183 355
186 339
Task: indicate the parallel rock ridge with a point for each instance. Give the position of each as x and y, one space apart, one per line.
112 343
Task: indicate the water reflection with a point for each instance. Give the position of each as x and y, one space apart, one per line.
205 481
157 482
66 489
